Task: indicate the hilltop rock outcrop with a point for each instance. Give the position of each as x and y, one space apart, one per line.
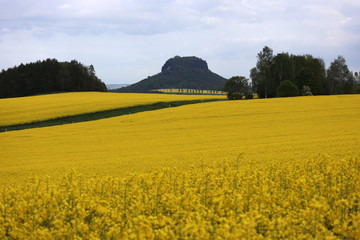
180 72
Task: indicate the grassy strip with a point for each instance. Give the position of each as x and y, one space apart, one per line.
99 115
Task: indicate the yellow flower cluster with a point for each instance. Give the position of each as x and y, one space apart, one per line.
43 107
311 199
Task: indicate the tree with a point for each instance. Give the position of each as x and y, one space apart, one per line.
357 76
261 76
318 72
309 71
349 84
237 87
357 82
339 78
282 68
255 80
304 77
287 89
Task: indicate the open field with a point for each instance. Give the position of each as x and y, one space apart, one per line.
84 117
267 168
264 130
43 107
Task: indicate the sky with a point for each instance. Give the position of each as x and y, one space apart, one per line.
128 40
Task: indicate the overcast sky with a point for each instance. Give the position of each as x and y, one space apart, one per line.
128 40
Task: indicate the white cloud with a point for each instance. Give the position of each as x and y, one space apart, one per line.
346 20
65 6
127 40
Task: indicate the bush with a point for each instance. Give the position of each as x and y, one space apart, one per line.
287 89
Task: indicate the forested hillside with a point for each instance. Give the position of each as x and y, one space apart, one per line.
48 76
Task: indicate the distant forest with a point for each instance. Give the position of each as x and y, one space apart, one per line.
307 73
48 76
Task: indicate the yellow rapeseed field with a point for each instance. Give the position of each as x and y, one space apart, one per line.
185 90
43 107
285 168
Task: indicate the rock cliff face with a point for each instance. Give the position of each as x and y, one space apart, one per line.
178 64
180 72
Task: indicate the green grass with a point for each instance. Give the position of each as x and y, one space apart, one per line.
99 115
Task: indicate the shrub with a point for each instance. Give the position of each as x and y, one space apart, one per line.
287 89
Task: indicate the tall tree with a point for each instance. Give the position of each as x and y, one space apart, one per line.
263 80
282 68
255 81
339 79
357 82
317 67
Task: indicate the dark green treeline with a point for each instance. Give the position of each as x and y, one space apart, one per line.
48 76
305 71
